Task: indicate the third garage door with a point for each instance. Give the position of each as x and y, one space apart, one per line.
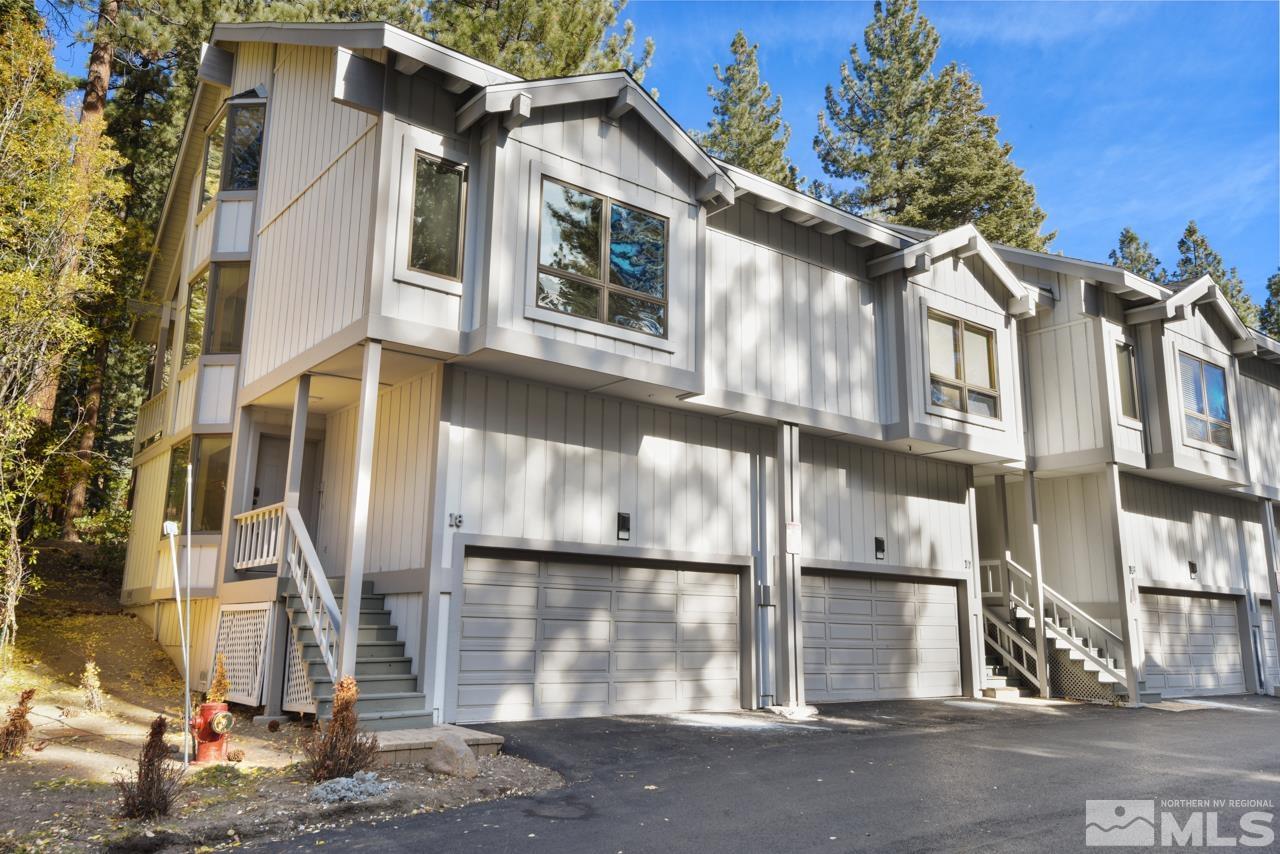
551 639
1191 645
868 638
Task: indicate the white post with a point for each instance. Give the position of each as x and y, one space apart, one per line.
1126 586
790 654
1037 575
366 423
186 640
171 531
1272 542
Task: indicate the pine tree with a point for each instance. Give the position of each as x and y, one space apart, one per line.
539 38
1134 254
920 147
746 128
1197 258
1269 316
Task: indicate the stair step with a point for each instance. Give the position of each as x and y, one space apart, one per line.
396 664
298 617
391 701
381 721
368 602
1000 692
364 648
371 686
338 585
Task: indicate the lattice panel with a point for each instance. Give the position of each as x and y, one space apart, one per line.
297 684
242 639
1067 678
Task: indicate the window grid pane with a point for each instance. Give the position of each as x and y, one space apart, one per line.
437 217
570 240
978 369
944 361
244 147
1128 388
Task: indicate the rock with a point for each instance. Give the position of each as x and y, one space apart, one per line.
451 755
358 787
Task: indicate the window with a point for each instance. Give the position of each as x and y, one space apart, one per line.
227 295
439 192
603 260
193 330
1206 415
157 377
233 151
212 460
962 366
1127 383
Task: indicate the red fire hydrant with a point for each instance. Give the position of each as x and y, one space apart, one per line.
210 727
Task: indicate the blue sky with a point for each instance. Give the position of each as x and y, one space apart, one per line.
1137 114
1126 113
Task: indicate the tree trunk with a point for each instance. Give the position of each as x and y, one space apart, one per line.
79 495
95 103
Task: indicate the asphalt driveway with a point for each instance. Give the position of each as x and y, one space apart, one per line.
913 775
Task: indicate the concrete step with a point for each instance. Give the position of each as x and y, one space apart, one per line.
1002 692
370 686
392 701
392 665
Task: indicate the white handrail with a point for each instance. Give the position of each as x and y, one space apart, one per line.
1066 616
257 537
1012 647
313 588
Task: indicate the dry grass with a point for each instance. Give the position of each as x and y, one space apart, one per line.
150 792
340 749
17 729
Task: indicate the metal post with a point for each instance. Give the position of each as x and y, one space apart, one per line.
1037 576
790 678
366 422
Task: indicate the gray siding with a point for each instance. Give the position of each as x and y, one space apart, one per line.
1065 409
1259 399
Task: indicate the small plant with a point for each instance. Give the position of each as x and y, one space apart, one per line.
17 729
151 791
340 749
220 687
90 686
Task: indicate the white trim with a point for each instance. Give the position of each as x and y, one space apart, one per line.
410 141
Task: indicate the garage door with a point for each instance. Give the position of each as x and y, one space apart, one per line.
1191 645
543 639
1270 652
867 638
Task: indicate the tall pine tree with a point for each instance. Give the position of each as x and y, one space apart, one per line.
540 38
1134 254
746 128
1197 258
1269 316
920 147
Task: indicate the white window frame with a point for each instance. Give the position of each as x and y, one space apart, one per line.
1117 343
415 141
956 311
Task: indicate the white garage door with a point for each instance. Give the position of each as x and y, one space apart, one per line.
1270 652
867 638
1191 645
542 639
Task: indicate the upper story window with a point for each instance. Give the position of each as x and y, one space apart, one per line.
210 465
1127 379
194 311
962 366
228 294
1206 413
439 197
233 151
602 259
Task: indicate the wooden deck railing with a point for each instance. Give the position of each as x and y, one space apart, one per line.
256 537
150 424
303 566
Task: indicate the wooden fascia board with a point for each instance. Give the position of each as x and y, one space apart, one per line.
216 65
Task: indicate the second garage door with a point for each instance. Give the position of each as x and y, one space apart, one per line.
1270 651
547 639
868 638
1191 645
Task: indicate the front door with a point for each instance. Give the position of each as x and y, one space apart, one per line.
269 475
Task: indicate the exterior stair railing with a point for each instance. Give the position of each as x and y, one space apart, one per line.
303 566
256 537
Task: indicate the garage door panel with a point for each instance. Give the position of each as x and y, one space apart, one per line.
580 639
870 638
1270 650
1191 645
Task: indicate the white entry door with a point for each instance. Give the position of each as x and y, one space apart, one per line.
868 638
549 639
1191 645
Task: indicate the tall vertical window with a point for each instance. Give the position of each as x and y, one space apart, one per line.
212 180
962 366
210 465
233 151
1206 414
228 292
1127 379
439 193
601 259
193 330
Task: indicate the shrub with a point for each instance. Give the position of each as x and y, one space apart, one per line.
13 738
221 685
340 749
90 686
150 792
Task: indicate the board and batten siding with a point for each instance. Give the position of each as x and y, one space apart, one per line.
1258 392
1061 369
400 492
789 318
151 481
318 179
627 160
1168 525
850 494
252 67
542 463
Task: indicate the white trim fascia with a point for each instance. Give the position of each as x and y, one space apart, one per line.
1203 290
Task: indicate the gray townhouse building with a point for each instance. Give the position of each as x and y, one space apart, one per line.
507 398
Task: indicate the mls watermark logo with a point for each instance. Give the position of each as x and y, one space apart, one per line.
1186 823
1119 823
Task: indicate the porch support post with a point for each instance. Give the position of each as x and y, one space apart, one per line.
1126 585
1037 576
1272 540
1006 551
790 671
278 637
969 606
366 423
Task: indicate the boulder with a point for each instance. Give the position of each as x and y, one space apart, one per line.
451 755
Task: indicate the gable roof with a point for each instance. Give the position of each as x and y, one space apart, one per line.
963 241
1204 291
